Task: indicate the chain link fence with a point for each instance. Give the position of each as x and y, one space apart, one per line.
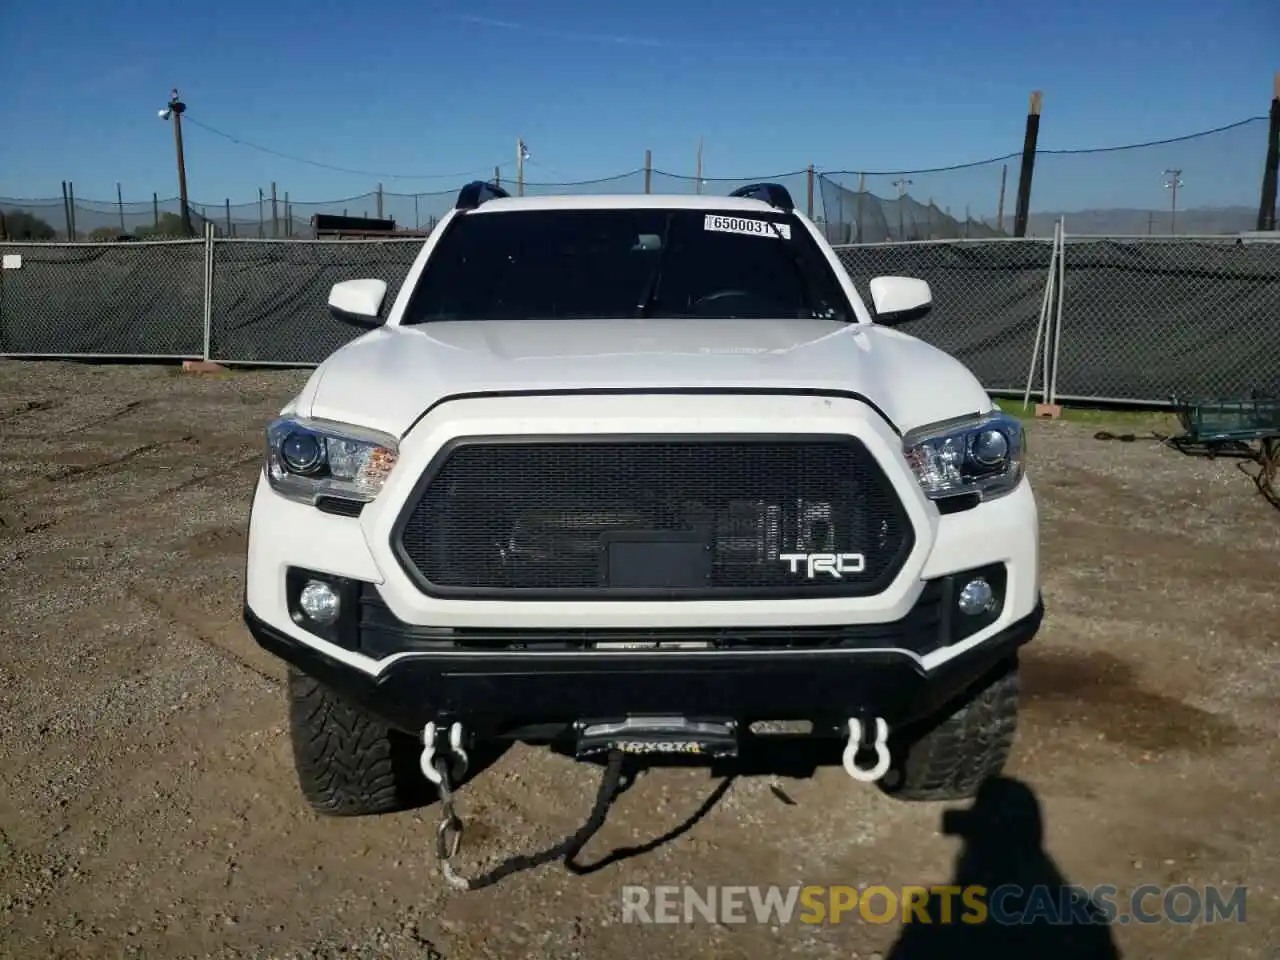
1147 319
138 300
863 208
1130 190
987 299
1143 319
268 298
99 221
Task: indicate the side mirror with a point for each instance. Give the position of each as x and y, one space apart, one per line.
900 299
358 302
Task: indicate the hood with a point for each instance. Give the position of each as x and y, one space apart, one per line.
388 377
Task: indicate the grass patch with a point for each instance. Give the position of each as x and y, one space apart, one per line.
1128 417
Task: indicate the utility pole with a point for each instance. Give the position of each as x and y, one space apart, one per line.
1172 182
175 109
522 154
901 183
1004 175
698 185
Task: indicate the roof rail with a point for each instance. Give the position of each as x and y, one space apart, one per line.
774 194
477 192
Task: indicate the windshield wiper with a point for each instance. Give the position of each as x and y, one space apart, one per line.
646 300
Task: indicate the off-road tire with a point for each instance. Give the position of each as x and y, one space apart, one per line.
350 764
951 758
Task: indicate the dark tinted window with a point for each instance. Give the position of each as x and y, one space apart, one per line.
625 263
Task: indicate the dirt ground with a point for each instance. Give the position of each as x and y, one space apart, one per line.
147 797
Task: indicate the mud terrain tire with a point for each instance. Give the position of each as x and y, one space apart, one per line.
350 764
950 759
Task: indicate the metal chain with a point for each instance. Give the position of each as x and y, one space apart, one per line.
449 833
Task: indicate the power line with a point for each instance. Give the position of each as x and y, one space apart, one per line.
869 173
330 166
826 172
1041 152
1159 143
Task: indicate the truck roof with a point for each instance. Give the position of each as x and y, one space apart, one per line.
625 201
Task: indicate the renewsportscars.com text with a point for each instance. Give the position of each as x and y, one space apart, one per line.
1008 904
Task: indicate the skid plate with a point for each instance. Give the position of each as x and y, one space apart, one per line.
649 736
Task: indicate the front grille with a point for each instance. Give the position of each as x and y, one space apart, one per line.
704 516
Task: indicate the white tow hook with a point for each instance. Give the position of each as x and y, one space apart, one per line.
880 745
458 766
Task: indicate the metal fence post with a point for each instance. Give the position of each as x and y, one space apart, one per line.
1043 327
208 290
1057 324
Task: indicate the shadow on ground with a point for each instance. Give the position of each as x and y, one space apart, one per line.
1028 910
794 757
1031 910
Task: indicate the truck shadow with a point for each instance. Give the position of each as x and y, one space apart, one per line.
1026 909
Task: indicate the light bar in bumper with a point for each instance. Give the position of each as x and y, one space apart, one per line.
497 689
352 615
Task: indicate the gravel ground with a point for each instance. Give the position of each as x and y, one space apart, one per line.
147 798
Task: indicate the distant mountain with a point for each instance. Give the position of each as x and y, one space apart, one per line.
1206 221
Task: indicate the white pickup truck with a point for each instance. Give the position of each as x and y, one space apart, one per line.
634 473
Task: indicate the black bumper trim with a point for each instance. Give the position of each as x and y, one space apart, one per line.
508 689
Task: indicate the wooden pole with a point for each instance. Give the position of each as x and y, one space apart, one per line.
520 166
1004 176
178 108
1028 166
66 210
862 192
1271 165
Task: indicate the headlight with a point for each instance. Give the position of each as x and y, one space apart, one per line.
972 455
310 459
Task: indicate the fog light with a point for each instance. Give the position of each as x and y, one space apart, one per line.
319 601
976 597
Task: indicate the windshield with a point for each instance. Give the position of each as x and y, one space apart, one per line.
570 264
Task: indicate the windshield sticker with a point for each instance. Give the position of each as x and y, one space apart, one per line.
751 228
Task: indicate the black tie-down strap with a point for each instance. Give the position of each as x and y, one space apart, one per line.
449 833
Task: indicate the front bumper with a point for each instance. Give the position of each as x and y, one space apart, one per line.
505 691
517 662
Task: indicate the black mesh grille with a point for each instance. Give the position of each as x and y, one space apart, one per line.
704 516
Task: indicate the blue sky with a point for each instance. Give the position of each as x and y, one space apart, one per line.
439 91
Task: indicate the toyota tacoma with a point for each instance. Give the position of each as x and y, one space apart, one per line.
639 473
